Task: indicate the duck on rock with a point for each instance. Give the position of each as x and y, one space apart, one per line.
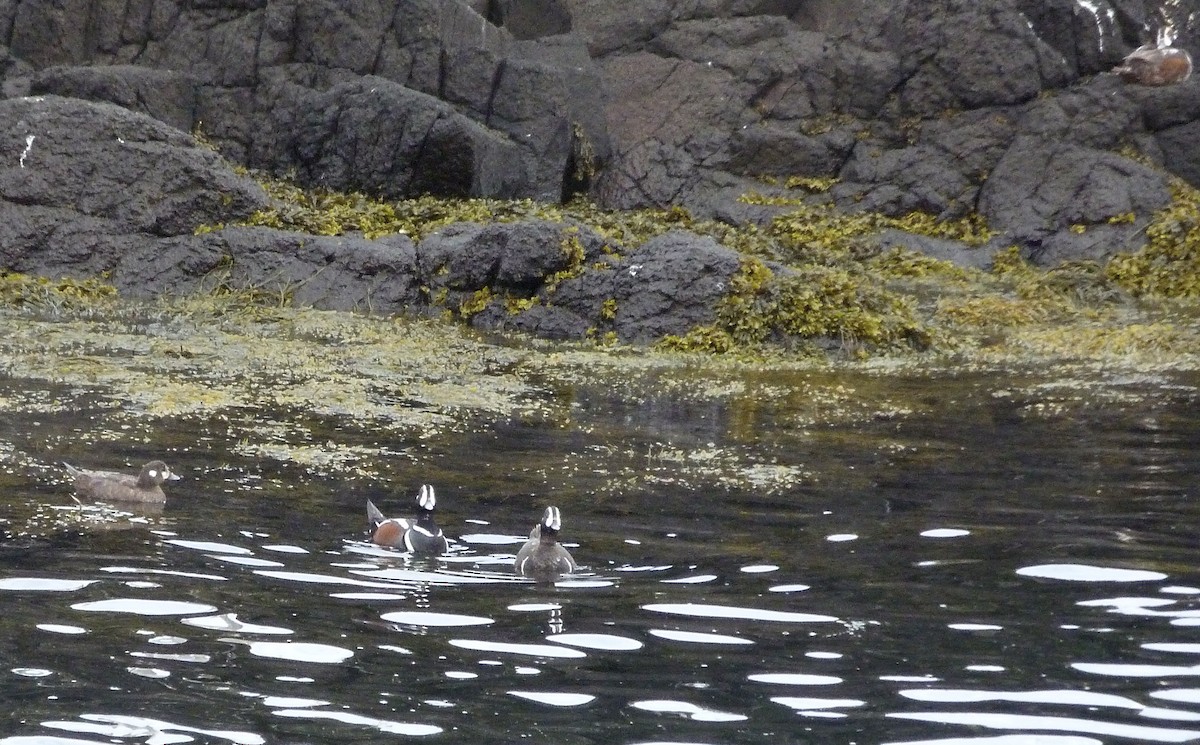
420 535
1156 63
111 486
542 557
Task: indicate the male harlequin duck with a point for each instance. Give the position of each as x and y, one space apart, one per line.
418 536
1156 64
110 486
542 558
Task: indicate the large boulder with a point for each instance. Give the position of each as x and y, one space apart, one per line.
83 176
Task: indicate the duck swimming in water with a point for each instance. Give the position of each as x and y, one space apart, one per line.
542 557
111 486
420 535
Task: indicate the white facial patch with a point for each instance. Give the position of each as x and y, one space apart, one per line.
153 473
427 499
552 519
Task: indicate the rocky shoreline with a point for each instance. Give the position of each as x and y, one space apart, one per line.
823 177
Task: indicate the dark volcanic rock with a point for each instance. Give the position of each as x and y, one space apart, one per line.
670 284
1002 107
85 180
330 272
1041 188
516 257
390 140
166 95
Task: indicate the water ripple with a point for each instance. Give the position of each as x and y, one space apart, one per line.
794 679
428 618
322 654
735 612
383 725
691 711
1087 573
41 584
552 698
532 650
697 637
608 642
143 607
1053 724
230 622
155 730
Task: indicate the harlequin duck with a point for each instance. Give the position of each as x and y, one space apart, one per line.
542 558
110 486
1156 64
418 536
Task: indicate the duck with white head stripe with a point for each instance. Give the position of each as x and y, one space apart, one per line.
542 557
420 535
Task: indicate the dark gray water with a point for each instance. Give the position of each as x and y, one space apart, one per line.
979 565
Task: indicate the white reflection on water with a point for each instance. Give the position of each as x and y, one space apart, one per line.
210 546
760 568
321 579
697 637
172 657
790 588
945 533
144 607
533 650
156 730
552 698
383 725
166 572
41 584
534 607
1181 695
1088 573
291 702
284 548
1128 670
811 704
1066 697
445 578
324 654
794 679
735 612
493 539
249 561
429 618
1006 740
693 580
58 628
609 642
691 711
1140 607
1181 647
230 622
1053 724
